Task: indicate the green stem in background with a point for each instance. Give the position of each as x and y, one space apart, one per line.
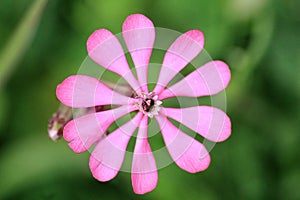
20 40
262 32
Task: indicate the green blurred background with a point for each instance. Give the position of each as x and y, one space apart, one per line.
41 44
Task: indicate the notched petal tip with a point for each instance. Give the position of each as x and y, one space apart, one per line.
224 72
226 130
136 21
194 159
143 183
67 133
74 142
62 90
97 38
77 146
100 171
197 36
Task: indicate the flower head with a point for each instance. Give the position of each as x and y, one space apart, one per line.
148 103
80 91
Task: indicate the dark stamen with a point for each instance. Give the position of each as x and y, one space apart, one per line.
148 104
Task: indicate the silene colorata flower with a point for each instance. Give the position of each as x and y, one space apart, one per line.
81 91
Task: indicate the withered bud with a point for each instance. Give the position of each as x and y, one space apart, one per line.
58 121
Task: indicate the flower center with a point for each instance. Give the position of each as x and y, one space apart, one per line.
148 104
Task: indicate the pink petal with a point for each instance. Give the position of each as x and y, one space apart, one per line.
209 79
80 91
189 154
107 158
211 123
83 132
181 52
144 171
105 49
139 36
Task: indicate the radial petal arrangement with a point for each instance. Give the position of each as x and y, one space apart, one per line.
80 91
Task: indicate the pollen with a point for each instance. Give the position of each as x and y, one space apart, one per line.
148 104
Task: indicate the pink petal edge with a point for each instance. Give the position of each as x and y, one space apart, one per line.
83 132
189 154
144 174
139 36
80 91
184 49
211 123
105 49
107 158
210 79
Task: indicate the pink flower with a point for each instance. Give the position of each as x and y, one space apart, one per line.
81 91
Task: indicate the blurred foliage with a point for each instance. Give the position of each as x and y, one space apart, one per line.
258 38
19 41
